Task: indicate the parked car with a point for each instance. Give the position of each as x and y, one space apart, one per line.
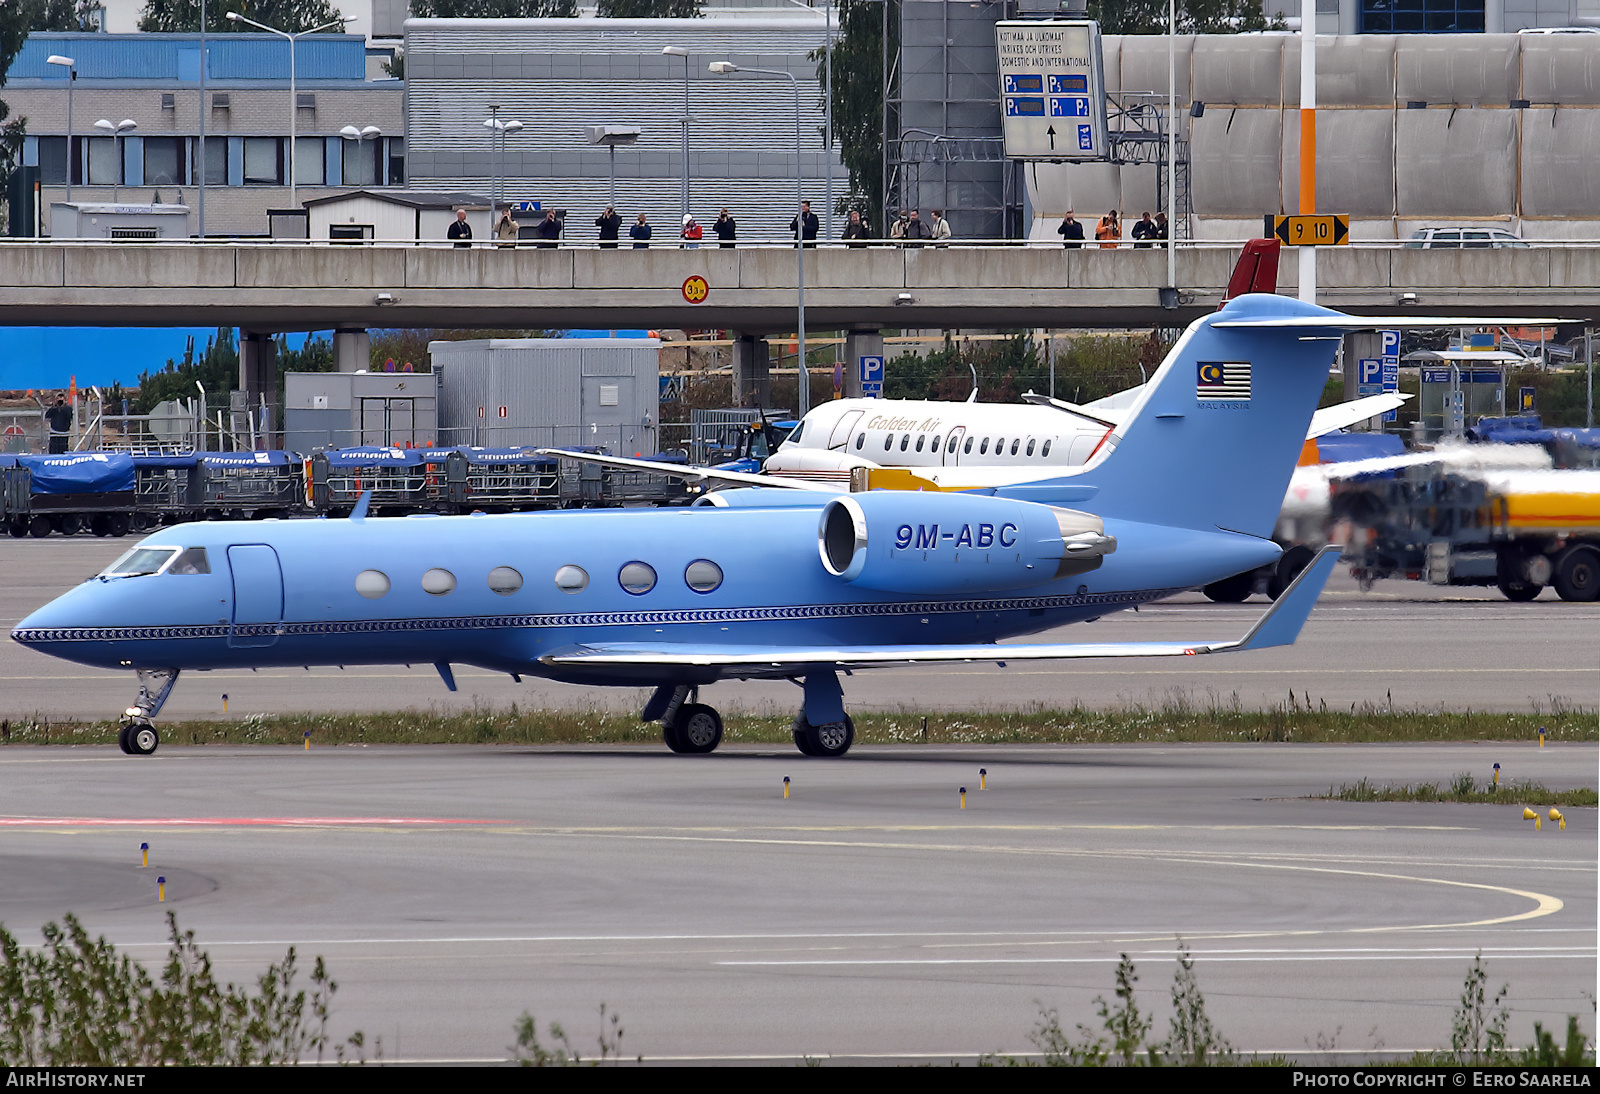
1428 238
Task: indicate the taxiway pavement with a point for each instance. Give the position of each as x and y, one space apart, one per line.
1403 643
866 917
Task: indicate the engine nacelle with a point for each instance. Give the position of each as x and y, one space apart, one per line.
926 542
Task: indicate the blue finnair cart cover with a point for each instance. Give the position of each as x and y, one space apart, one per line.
248 459
80 472
370 457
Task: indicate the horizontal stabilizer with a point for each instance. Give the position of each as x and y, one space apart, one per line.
1339 321
1330 418
1278 627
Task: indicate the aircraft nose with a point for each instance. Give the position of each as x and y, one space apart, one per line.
66 618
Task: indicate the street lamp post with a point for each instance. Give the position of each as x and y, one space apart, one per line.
72 78
498 131
294 101
126 125
611 136
722 68
366 133
679 51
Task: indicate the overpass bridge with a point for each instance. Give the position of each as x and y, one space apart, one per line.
270 287
278 287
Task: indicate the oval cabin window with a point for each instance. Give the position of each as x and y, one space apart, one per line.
703 575
438 582
637 578
571 579
503 581
372 583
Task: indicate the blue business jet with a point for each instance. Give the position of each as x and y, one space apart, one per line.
761 583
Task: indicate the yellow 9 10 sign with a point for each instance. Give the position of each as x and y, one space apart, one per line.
1329 230
695 289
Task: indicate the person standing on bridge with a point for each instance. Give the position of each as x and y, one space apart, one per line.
805 226
60 419
1144 231
460 230
1163 233
915 231
727 231
610 225
640 233
692 233
1108 231
1071 232
505 230
549 231
855 232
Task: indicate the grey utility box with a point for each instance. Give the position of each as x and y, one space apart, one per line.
357 409
115 220
551 392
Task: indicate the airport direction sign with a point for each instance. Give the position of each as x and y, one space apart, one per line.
1320 230
1052 89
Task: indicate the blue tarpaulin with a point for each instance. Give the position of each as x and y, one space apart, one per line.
80 472
1344 447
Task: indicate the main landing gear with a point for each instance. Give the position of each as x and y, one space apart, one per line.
822 728
138 736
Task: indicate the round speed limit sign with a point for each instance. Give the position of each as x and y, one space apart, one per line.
695 289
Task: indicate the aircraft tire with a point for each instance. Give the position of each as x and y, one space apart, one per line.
802 731
142 738
830 740
1577 575
122 741
1520 591
699 729
669 734
1232 590
1290 563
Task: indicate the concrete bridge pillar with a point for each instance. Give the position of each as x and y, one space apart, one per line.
352 349
258 367
859 344
752 371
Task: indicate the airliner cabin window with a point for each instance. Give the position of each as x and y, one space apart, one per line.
953 439
1045 451
888 441
861 440
905 441
967 448
934 447
999 446
920 439
983 449
1030 446
1014 447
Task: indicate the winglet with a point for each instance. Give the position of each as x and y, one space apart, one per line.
360 511
1280 626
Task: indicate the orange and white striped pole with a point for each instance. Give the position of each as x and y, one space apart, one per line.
1308 141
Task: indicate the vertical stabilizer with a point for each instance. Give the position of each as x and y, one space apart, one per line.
1256 270
1216 433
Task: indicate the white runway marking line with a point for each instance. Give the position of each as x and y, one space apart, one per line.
1462 955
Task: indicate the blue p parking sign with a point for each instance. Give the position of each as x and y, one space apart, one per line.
870 369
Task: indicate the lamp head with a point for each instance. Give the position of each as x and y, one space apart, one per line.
234 17
350 133
370 132
674 51
513 126
57 59
722 68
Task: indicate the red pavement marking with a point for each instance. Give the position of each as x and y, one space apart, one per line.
211 822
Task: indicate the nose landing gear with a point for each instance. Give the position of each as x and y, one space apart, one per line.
138 736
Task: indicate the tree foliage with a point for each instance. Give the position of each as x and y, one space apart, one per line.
18 19
290 16
857 95
494 9
77 1002
649 9
216 369
1194 16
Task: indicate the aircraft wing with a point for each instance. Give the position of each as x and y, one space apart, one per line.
1338 321
1280 626
1340 415
683 471
1109 417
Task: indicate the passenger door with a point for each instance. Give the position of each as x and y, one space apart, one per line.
257 595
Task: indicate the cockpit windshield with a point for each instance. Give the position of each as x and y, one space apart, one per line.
140 560
192 561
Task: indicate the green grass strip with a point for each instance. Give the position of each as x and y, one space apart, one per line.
1131 725
1463 787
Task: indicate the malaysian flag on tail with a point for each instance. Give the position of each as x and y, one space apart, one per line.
1223 380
